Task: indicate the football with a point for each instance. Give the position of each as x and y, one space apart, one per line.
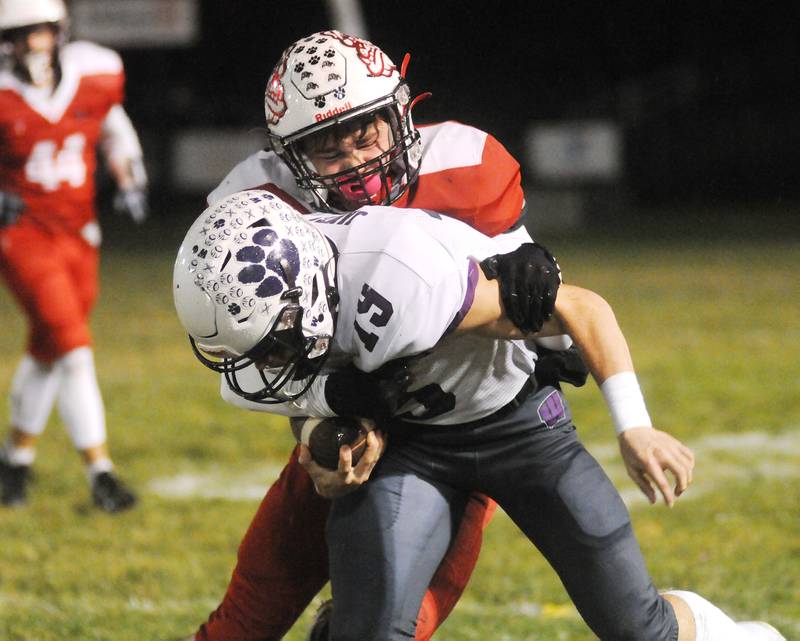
324 437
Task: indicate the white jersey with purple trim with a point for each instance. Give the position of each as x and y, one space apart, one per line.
401 286
406 278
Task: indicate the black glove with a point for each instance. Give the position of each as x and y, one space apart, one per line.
132 202
11 205
529 278
554 367
376 395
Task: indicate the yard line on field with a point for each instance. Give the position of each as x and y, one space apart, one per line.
82 605
721 457
137 604
217 484
27 602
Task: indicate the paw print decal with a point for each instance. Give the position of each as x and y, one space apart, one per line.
269 264
317 69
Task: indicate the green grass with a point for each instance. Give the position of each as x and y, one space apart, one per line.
712 327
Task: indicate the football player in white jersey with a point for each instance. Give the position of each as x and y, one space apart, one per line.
59 102
272 295
339 117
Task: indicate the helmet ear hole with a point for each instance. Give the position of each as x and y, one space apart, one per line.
292 294
314 291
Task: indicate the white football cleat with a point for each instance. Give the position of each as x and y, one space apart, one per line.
761 631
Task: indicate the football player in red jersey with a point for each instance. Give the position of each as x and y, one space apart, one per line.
339 118
59 102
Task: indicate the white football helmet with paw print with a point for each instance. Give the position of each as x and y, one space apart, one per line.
329 79
254 283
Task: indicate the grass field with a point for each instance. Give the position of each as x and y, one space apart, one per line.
712 324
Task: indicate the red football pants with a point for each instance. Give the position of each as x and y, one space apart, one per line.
54 280
283 564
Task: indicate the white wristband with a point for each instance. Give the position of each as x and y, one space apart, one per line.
625 402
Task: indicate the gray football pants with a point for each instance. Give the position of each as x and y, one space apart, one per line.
387 539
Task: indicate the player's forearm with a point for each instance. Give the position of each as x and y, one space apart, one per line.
487 317
122 149
591 323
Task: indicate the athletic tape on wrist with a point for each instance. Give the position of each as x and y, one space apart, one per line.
625 402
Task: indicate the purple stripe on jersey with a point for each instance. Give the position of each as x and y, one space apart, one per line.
469 297
551 409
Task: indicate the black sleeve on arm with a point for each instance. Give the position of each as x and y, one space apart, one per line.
350 391
562 366
529 278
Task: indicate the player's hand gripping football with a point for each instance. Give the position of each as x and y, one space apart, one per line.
347 477
649 453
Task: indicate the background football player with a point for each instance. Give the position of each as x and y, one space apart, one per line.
59 103
338 116
375 287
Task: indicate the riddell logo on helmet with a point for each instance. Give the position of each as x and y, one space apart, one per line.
333 112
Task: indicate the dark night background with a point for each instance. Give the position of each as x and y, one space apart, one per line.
704 92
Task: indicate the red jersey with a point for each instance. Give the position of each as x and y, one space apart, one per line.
464 173
467 174
48 140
